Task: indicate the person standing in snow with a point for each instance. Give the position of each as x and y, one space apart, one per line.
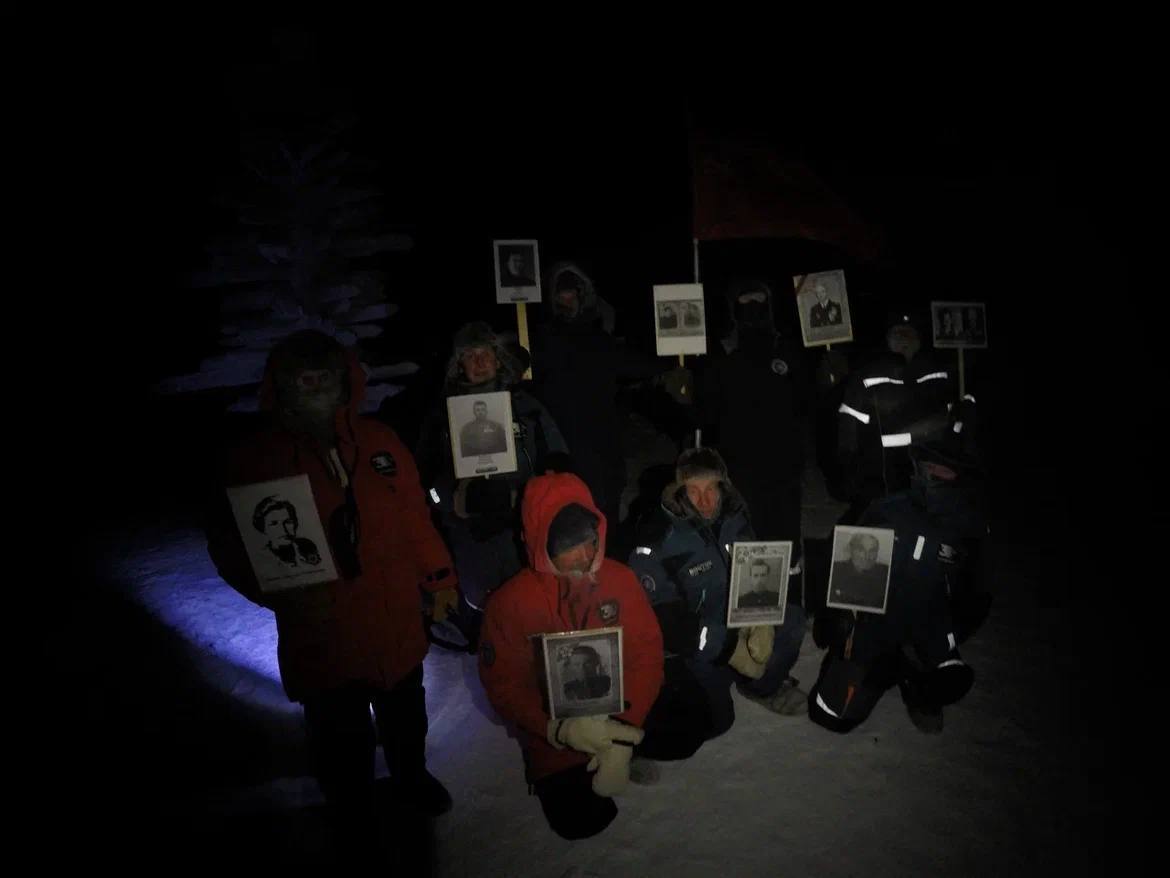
356 642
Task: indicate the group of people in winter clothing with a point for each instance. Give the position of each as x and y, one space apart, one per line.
507 558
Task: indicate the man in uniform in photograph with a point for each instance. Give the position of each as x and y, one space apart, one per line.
825 312
861 579
692 315
514 272
754 592
974 325
584 675
483 435
668 319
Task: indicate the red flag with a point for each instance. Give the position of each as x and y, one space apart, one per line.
749 190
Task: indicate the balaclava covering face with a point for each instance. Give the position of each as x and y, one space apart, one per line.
567 307
751 304
309 377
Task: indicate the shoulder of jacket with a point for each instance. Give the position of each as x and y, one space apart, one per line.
656 529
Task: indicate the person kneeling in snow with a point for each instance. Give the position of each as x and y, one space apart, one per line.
575 764
938 530
683 561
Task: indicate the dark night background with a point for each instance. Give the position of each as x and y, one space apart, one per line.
1013 187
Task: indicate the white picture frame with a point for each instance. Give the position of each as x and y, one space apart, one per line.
483 441
822 304
958 324
861 584
758 592
583 672
517 273
680 319
282 533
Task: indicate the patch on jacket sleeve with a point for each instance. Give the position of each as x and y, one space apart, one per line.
609 610
487 653
699 569
648 584
384 464
948 554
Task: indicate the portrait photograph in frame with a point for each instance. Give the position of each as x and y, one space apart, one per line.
583 672
517 271
282 533
859 578
482 440
822 303
758 593
680 321
959 324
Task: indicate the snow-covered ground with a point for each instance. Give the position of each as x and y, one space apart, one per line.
1011 787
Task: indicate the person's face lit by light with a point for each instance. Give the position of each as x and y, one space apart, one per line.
576 560
705 495
479 365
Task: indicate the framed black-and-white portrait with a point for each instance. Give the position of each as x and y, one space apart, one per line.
859 578
517 271
282 533
759 583
482 440
822 303
959 324
680 323
583 672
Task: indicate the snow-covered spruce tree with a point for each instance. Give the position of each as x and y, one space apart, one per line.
302 254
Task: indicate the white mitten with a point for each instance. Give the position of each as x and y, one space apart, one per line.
759 642
590 734
613 770
742 659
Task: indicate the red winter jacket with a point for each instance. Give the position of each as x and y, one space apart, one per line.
538 601
367 629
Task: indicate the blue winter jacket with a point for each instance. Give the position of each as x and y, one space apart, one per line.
684 564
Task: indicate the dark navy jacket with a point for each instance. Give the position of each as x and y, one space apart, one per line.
938 535
684 564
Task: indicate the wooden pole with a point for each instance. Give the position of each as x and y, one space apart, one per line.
522 334
695 245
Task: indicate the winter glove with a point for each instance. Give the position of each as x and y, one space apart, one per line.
759 642
446 600
612 770
590 734
680 384
742 659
